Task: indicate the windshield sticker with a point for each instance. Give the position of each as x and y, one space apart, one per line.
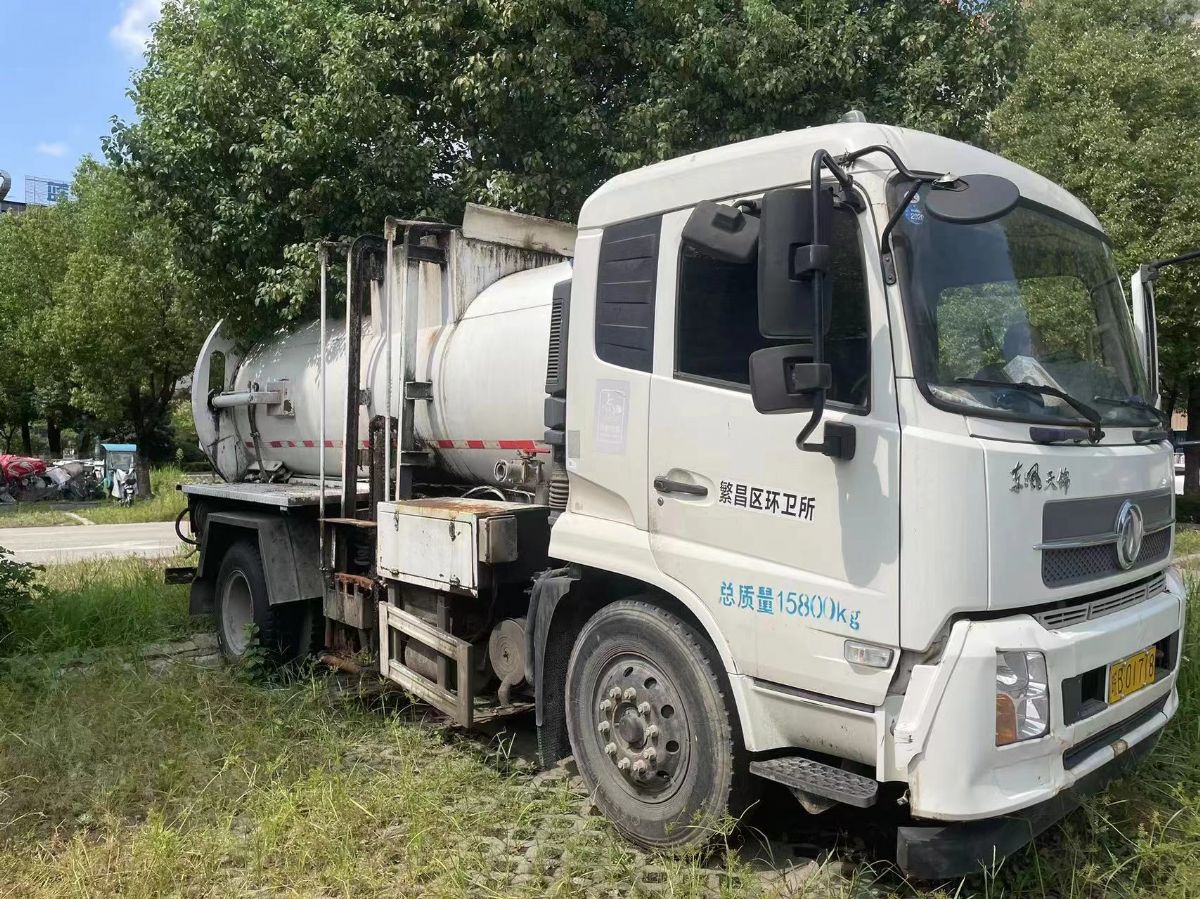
764 499
913 213
764 600
1033 479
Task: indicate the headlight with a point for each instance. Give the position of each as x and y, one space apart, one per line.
1022 697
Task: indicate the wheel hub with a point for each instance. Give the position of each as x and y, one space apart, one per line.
642 725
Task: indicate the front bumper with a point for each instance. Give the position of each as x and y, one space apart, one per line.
950 851
980 801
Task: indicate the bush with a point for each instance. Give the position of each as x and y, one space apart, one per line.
1187 509
17 589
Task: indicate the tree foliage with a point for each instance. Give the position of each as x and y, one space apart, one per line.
34 248
264 125
1108 105
100 323
127 319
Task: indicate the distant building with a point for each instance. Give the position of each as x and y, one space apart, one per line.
8 205
38 192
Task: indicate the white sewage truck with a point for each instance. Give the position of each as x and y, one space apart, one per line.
829 458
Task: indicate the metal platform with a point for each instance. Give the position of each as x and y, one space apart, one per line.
293 495
818 779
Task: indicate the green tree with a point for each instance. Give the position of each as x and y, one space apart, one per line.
1108 105
266 124
34 248
126 319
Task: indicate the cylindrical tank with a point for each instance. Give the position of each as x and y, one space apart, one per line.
487 371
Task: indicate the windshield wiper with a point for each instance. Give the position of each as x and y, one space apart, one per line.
1133 403
1044 390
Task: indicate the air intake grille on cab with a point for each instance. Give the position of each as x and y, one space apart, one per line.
1063 567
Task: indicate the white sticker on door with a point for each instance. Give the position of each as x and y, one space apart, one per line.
612 416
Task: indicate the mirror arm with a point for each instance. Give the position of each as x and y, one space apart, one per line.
885 244
814 419
821 159
847 158
885 250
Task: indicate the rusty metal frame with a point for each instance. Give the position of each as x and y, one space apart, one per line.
458 703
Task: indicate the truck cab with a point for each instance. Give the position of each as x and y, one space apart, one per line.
962 583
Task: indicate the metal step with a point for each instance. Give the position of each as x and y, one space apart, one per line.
819 779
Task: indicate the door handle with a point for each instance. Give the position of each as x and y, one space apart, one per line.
666 485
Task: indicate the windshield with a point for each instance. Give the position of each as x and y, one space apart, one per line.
1029 298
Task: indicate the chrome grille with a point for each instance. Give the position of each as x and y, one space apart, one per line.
1098 607
1073 565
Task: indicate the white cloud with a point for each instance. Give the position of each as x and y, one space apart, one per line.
132 33
57 149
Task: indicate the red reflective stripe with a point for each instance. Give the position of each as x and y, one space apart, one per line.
529 446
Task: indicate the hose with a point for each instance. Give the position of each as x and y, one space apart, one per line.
485 488
179 531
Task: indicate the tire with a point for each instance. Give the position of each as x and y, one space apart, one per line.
286 633
673 788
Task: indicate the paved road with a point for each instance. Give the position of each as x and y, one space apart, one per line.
69 543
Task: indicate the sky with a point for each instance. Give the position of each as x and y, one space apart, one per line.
64 72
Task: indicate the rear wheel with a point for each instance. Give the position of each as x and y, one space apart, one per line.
245 616
650 727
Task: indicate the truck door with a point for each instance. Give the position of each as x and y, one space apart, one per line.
794 552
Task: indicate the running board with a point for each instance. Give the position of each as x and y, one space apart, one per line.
804 776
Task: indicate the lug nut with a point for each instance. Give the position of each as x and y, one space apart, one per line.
611 748
650 754
623 764
614 694
630 694
644 709
603 726
639 769
605 705
652 732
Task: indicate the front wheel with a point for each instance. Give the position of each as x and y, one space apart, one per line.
651 728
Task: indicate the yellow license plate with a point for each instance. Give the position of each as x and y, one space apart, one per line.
1131 674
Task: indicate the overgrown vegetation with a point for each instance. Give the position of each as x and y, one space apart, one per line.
17 590
99 603
117 781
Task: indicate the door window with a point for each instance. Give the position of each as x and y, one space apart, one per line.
717 318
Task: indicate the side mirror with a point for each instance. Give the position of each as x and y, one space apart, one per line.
971 199
791 248
722 232
785 379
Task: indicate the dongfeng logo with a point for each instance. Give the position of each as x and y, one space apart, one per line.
1130 530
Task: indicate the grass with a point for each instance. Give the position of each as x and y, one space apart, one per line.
164 504
1187 539
33 515
101 603
116 781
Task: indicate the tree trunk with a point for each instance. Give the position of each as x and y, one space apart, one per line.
54 437
83 444
142 467
1191 454
26 439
